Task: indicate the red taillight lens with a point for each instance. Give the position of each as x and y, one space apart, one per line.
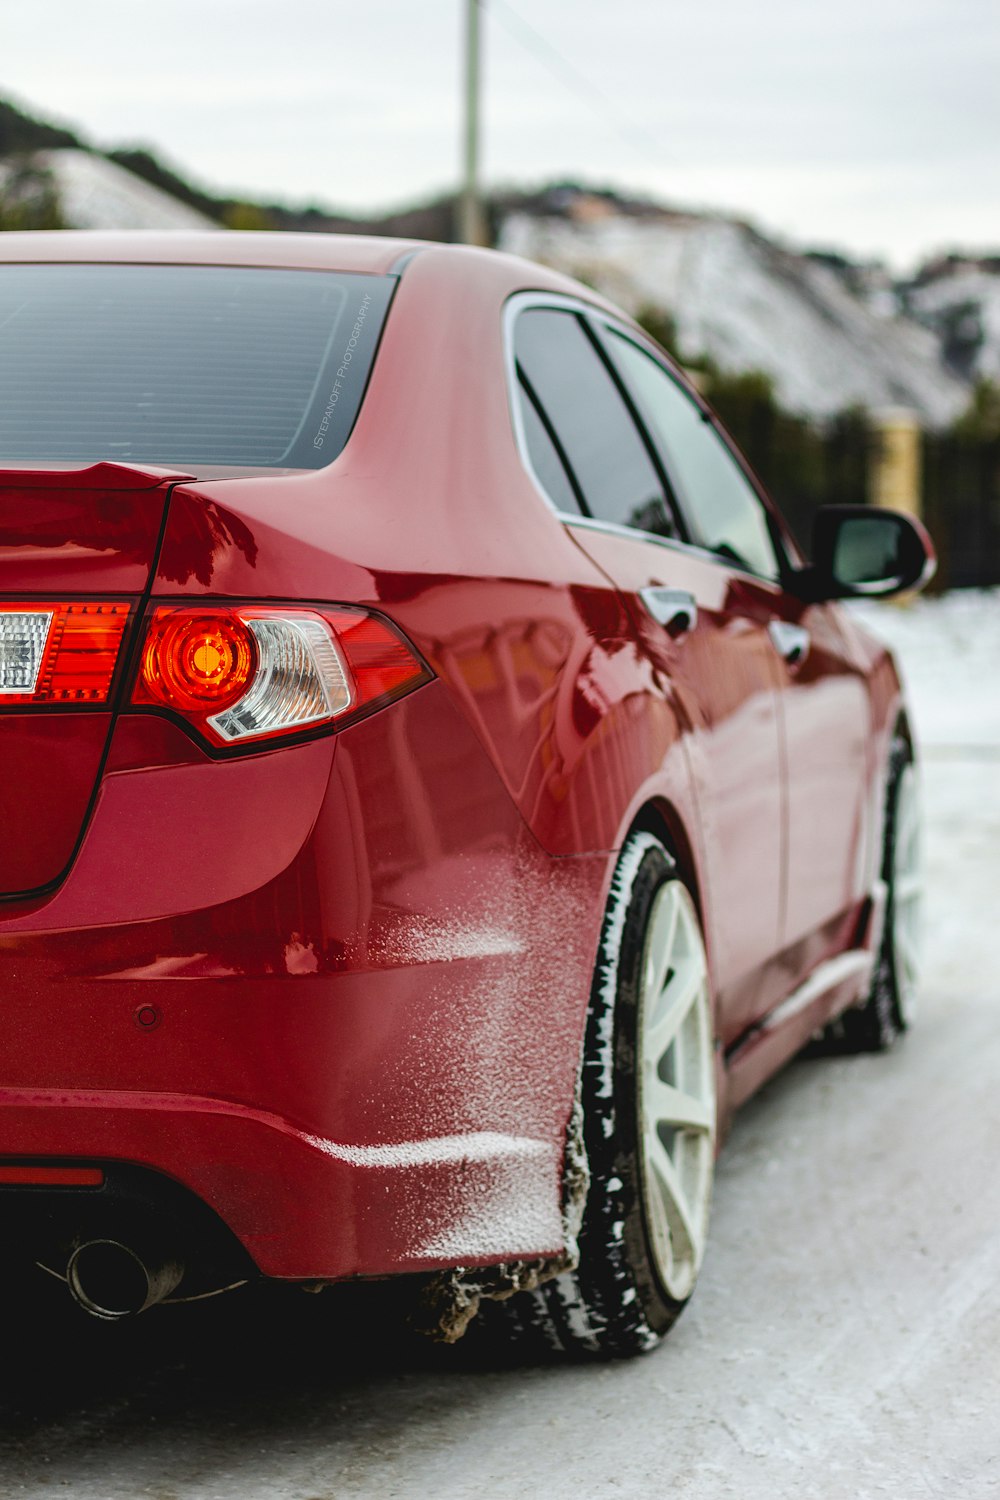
381 662
196 661
16 1176
252 673
58 652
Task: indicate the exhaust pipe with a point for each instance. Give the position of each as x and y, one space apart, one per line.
110 1280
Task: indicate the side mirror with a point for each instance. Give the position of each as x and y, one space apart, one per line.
860 551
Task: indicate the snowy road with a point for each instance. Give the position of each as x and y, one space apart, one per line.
844 1340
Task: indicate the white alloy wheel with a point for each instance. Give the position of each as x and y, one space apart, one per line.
907 892
676 1089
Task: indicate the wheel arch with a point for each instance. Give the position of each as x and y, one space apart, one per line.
662 819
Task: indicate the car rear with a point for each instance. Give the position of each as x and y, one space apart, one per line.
176 1089
276 940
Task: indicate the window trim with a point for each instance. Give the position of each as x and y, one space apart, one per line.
590 313
512 308
560 302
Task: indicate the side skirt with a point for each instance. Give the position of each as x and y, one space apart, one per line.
785 1030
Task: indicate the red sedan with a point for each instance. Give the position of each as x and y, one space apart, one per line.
436 789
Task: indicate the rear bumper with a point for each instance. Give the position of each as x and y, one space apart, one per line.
304 1206
336 992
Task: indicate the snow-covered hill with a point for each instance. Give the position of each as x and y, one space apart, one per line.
960 302
95 193
831 333
750 304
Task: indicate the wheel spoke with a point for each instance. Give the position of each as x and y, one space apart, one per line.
660 1227
667 1105
907 859
660 944
675 1078
674 1200
682 990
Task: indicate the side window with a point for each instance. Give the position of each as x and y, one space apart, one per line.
604 452
723 511
543 453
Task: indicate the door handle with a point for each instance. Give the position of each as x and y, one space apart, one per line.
791 642
675 609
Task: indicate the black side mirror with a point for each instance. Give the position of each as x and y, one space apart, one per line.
860 551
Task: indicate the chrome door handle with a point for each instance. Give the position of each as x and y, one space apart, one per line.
790 641
675 609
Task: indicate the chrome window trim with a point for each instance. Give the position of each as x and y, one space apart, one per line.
594 523
513 307
560 302
672 544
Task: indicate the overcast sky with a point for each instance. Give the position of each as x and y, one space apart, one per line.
873 125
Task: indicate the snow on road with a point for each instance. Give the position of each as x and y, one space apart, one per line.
842 1344
949 649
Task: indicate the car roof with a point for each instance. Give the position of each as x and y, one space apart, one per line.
330 252
374 255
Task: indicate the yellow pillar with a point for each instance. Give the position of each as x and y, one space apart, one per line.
894 469
894 473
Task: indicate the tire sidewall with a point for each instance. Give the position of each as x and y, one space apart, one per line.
897 1005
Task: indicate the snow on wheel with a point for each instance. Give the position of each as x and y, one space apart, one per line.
649 1121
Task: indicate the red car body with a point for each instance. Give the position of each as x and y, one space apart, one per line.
335 989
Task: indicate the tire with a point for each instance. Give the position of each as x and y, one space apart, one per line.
887 1011
649 1123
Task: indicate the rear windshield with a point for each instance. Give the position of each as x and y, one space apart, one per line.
179 365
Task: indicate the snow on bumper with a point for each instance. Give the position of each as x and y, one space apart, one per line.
304 1206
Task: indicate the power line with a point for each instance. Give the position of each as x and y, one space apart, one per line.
568 73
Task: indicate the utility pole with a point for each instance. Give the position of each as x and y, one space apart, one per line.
471 220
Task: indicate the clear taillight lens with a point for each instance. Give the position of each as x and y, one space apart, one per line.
241 674
300 680
59 652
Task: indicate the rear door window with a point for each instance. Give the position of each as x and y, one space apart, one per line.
723 511
606 456
183 365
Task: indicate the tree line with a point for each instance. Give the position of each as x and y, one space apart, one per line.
805 464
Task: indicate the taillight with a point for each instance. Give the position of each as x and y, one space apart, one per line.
195 662
246 673
59 652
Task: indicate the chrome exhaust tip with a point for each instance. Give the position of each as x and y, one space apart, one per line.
110 1280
